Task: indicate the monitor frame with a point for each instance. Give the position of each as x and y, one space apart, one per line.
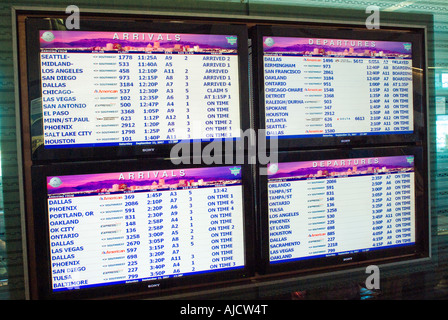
151 288
151 150
419 250
416 36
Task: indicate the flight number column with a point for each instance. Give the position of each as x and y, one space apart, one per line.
346 94
133 225
348 215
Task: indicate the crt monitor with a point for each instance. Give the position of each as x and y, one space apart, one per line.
133 88
330 86
339 209
140 228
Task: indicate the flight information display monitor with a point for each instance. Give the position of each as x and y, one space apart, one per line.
338 88
342 208
153 227
135 88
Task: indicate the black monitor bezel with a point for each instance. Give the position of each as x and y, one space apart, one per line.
33 86
419 250
152 288
414 35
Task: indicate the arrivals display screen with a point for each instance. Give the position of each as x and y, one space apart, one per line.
328 88
152 227
343 208
135 88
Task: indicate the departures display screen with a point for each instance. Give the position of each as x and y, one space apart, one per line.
340 207
327 87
